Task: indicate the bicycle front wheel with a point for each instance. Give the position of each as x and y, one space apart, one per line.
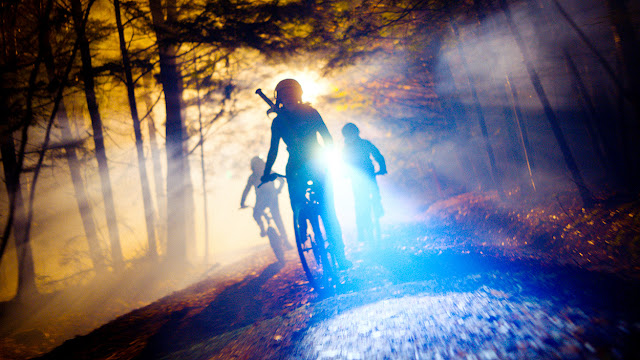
312 247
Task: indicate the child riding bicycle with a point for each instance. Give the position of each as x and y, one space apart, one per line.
298 124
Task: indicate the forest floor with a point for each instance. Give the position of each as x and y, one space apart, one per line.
473 277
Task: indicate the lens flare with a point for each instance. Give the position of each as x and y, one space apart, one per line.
313 85
332 158
340 183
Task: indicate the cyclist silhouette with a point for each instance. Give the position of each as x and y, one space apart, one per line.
266 197
298 124
358 153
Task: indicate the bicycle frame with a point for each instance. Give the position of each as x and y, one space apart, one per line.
312 241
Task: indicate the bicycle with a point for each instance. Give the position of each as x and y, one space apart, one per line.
274 237
312 242
368 210
375 211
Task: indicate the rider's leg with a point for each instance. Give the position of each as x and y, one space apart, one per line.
297 191
376 200
275 214
363 212
362 199
257 216
332 225
297 178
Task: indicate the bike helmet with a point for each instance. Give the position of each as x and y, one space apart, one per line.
257 164
288 85
350 130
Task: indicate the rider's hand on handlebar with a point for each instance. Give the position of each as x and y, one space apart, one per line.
270 177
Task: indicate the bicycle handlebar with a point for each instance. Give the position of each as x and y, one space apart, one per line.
274 176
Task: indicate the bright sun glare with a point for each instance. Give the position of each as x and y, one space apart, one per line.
313 86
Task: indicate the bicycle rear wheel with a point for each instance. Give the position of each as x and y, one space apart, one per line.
276 243
376 236
311 240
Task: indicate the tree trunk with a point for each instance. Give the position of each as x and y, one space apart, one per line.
588 111
453 108
158 179
84 207
522 131
202 167
629 51
12 162
495 172
189 204
627 132
515 156
26 268
629 55
82 199
144 180
176 183
585 194
98 137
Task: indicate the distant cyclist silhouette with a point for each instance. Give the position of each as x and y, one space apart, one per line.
298 125
266 197
358 154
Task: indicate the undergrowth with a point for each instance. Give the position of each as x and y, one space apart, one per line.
605 237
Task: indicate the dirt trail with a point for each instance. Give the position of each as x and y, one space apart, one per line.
417 298
435 303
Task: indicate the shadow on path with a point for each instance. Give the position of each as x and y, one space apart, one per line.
234 308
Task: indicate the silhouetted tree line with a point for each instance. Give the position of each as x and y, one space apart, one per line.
49 49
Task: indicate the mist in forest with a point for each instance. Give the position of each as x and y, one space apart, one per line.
433 151
487 60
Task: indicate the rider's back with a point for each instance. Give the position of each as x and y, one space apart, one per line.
298 128
357 154
266 193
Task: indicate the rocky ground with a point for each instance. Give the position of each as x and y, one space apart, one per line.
433 292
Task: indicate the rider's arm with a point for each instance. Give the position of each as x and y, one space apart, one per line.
246 191
324 132
377 156
273 150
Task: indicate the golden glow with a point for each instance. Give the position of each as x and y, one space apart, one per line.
313 85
